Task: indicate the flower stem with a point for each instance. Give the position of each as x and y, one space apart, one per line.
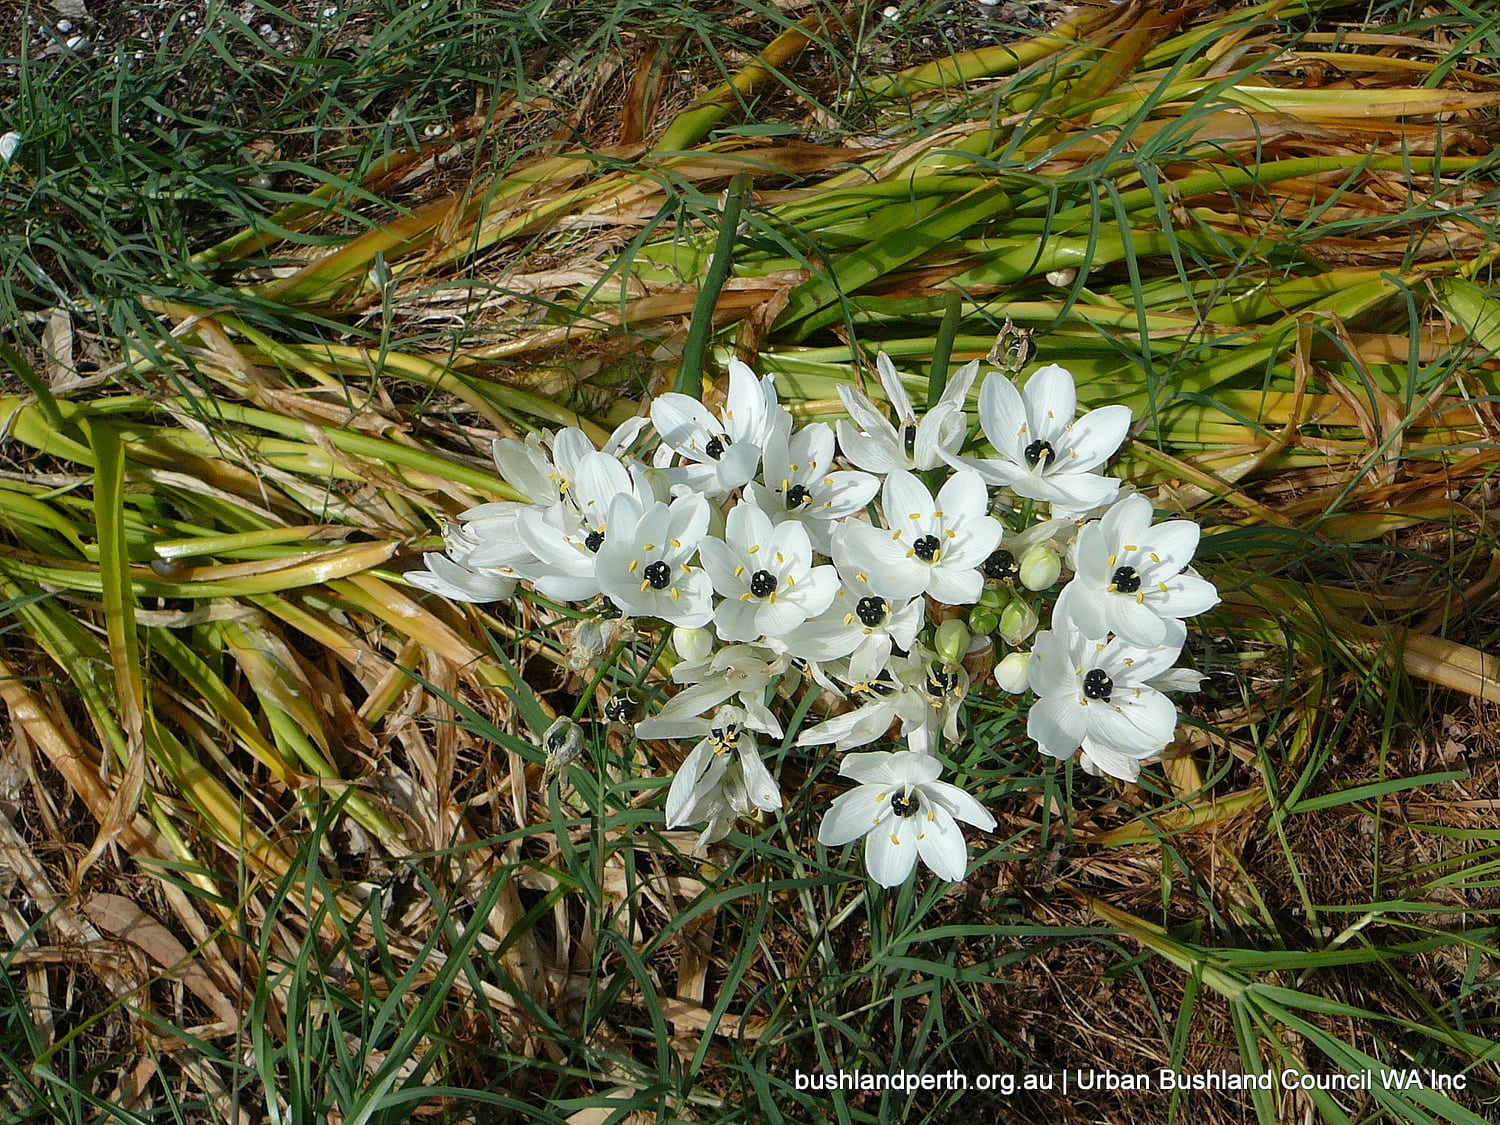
690 373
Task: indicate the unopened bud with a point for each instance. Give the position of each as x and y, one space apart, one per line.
982 621
994 597
1017 623
951 640
1041 566
1011 673
692 644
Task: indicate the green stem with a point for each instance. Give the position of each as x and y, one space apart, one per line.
690 373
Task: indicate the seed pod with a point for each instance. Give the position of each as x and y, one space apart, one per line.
620 707
1017 623
563 742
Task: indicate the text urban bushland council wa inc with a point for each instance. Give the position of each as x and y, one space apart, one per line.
1162 1079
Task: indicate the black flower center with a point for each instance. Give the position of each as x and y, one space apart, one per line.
905 804
871 612
1125 579
1039 450
940 681
721 740
798 495
608 609
716 446
762 583
909 438
659 574
880 685
1000 566
926 548
594 540
619 707
1097 684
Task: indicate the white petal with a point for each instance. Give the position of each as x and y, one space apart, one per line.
1051 399
905 497
956 392
1057 723
952 586
941 844
736 466
851 816
686 789
1177 679
736 620
1098 434
683 422
1050 670
1137 622
944 428
867 417
891 852
964 496
720 560
1139 725
759 783
1002 414
448 579
895 390
959 804
1103 759
858 727
892 574
910 768
871 768
1186 596
745 408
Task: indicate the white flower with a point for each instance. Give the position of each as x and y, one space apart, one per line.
642 564
723 777
451 574
765 575
8 145
563 539
1131 578
743 671
459 583
911 443
542 467
719 454
1098 695
884 688
927 547
903 811
799 485
1044 454
857 612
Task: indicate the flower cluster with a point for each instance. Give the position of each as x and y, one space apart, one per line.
876 565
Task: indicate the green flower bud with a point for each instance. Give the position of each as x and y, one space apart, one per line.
994 598
1010 673
982 621
1040 567
1017 623
951 640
